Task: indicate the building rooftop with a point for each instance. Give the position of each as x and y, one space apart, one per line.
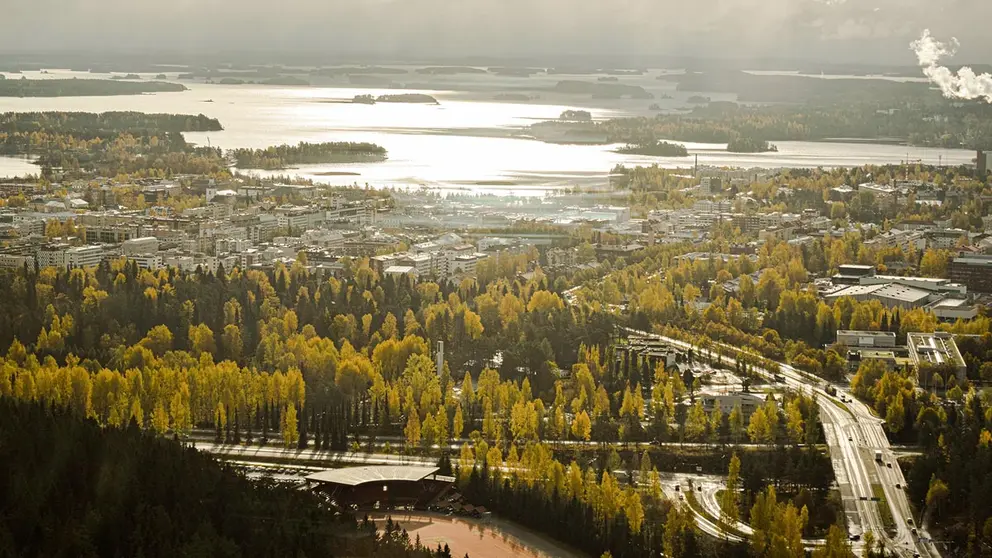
973 259
399 270
354 476
951 303
866 333
888 290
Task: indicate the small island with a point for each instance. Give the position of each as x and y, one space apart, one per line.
160 76
743 144
280 157
698 100
575 116
407 98
82 87
601 90
449 70
523 97
655 149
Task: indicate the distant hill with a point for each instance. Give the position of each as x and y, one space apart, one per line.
602 90
82 87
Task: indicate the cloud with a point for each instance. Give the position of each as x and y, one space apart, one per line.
963 84
857 30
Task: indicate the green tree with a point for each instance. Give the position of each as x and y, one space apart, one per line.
412 430
697 423
837 545
736 421
730 500
290 432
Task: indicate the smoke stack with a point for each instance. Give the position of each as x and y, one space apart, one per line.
981 164
963 84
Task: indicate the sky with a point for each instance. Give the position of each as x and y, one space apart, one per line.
873 31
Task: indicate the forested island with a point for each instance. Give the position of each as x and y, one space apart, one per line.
280 157
110 142
655 149
82 87
602 90
356 70
123 491
421 98
414 98
449 70
743 144
938 124
576 116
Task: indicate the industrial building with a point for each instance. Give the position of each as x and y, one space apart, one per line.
937 350
972 270
853 338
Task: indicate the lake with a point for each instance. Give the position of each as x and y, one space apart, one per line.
441 146
488 538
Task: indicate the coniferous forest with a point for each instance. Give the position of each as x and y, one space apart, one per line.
71 488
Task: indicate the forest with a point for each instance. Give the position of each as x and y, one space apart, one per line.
73 488
110 143
280 157
82 87
655 149
741 144
102 125
966 126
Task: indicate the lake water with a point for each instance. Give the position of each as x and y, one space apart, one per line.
259 116
490 538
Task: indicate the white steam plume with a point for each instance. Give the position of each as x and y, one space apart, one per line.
964 84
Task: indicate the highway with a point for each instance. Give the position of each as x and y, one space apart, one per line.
853 435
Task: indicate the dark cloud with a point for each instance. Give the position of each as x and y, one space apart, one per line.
863 30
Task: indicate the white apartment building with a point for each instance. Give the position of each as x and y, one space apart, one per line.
83 256
465 264
52 255
263 229
323 238
143 245
422 263
905 239
15 261
297 219
235 245
147 261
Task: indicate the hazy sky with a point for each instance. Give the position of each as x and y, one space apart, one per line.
840 30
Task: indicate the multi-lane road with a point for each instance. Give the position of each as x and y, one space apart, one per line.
853 435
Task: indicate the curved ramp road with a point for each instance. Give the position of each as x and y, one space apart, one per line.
853 435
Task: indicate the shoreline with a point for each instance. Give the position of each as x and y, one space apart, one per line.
534 544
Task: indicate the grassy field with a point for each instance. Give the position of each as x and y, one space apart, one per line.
883 509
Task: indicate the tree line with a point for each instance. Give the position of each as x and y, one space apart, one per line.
74 488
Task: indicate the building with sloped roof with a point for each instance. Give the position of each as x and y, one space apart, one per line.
381 485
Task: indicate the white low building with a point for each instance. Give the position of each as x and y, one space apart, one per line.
142 245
